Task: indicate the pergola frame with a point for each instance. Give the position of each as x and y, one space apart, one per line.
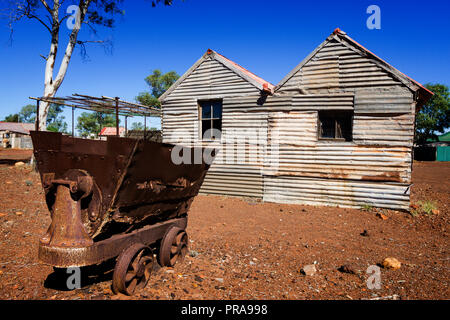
100 104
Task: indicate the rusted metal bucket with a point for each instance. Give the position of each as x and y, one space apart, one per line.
105 196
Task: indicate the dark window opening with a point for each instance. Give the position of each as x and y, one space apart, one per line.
211 119
335 125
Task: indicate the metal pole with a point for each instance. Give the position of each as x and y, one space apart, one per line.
37 116
126 129
73 130
117 116
145 126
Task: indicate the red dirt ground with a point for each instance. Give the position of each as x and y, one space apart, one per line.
13 155
242 249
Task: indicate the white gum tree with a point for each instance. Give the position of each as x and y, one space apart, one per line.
56 16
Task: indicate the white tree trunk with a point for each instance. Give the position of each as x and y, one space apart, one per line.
51 86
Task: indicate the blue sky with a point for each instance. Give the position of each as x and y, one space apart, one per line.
267 37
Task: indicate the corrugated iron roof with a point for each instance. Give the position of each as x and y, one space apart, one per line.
256 81
249 73
23 128
341 36
342 33
111 131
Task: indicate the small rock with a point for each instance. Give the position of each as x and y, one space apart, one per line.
19 164
252 263
391 263
19 213
364 233
169 271
381 216
197 278
435 211
347 269
193 253
219 280
308 270
8 224
28 182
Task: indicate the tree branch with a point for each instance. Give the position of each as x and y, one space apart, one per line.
44 3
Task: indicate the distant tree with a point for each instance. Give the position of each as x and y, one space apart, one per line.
137 126
158 83
12 118
54 16
55 121
93 122
434 117
28 113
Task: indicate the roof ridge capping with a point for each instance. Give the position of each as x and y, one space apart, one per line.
423 93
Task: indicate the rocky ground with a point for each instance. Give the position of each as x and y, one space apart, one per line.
243 249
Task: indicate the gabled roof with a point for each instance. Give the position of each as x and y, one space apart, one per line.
253 79
23 128
342 37
111 131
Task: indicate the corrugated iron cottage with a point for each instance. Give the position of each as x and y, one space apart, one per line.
337 130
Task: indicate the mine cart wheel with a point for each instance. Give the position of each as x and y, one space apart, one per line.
174 247
133 268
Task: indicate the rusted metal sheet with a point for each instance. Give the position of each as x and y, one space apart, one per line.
96 189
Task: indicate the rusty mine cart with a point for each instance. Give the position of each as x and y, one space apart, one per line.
121 198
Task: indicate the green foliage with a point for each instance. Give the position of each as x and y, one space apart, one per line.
12 118
55 121
137 126
93 122
435 115
366 207
28 113
158 83
426 206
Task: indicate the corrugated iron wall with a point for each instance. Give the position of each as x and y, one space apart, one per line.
212 80
373 169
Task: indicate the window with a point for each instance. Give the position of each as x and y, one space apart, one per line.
335 125
211 119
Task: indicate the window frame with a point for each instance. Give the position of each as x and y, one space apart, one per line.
211 119
336 121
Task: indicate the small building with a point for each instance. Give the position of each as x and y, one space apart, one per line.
337 130
111 131
16 135
434 150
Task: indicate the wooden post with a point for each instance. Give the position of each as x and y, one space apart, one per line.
117 116
36 127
